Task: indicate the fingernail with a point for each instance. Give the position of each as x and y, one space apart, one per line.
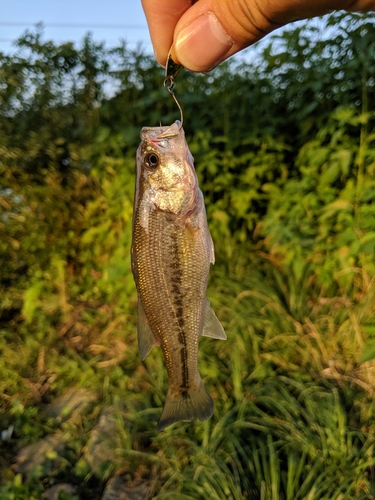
203 44
174 55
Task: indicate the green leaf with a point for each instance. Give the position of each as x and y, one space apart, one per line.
329 175
369 329
368 352
31 301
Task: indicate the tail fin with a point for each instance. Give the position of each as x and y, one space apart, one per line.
192 404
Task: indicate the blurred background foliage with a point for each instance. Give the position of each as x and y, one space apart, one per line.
285 154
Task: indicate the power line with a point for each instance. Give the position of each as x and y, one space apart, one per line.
142 42
86 26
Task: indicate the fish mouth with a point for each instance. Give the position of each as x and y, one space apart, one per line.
157 134
170 132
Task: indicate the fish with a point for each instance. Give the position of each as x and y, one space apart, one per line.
171 253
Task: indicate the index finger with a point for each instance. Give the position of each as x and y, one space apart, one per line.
162 17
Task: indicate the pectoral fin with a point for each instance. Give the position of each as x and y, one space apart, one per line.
212 327
146 339
212 249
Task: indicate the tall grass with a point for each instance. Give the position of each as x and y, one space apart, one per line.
294 410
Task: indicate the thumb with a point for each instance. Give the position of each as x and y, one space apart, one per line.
213 30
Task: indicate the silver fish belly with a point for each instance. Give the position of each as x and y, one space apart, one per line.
171 254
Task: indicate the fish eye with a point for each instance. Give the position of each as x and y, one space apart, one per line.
152 160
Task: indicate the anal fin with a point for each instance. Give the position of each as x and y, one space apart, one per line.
212 326
146 339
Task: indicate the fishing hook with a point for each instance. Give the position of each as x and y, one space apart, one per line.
172 69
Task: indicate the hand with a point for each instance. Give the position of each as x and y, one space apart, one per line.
207 32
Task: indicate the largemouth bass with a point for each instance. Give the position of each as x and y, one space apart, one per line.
171 254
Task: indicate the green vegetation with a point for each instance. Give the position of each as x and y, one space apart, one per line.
285 153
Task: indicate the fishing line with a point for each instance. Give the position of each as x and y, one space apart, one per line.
172 69
169 84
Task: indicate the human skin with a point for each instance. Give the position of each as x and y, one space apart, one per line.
206 32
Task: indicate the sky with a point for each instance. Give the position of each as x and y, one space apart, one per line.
70 20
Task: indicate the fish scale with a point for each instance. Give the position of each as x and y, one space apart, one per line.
172 288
